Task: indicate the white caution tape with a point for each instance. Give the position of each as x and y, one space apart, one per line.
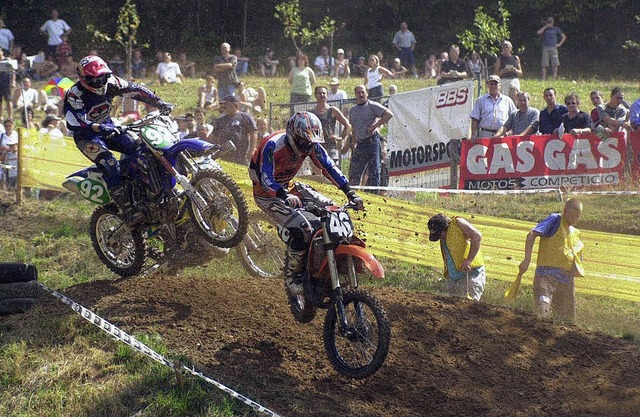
8 166
142 348
455 191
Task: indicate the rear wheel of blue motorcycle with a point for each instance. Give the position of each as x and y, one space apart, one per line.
226 219
125 256
362 350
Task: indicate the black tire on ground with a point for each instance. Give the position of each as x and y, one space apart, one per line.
16 305
363 351
16 290
17 272
225 222
127 255
261 252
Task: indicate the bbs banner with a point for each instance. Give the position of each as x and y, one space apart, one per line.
542 161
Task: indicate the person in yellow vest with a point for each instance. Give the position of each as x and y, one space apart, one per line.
460 248
559 261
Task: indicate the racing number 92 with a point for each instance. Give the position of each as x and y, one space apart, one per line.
93 191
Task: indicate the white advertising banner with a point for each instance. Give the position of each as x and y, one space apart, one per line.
423 124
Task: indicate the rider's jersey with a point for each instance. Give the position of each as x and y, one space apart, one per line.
274 165
82 107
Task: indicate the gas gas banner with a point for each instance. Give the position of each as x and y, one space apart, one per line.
423 123
542 161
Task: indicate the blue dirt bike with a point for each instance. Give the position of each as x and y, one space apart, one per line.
191 206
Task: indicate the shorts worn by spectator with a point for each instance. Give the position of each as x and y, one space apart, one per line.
559 262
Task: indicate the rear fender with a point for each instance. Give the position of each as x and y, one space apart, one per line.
358 252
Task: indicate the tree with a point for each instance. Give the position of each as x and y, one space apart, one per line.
489 32
126 32
288 13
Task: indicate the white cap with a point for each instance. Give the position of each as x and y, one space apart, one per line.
340 51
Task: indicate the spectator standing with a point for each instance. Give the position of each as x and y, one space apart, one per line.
7 82
366 117
54 28
550 116
559 261
523 122
552 39
169 71
243 62
138 66
490 111
335 93
208 94
302 79
574 121
238 127
508 68
374 76
9 152
6 38
328 116
323 62
475 65
460 245
341 67
455 68
405 42
224 69
269 64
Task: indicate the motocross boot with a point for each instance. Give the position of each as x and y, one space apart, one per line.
132 217
293 267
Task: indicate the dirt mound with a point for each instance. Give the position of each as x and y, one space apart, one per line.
448 357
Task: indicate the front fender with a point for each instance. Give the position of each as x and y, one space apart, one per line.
369 261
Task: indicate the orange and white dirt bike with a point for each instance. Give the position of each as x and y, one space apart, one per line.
357 331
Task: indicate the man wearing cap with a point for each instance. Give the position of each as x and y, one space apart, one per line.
405 42
509 69
460 248
341 66
552 39
224 68
490 111
238 127
335 93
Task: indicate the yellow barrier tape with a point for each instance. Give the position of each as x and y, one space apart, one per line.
45 161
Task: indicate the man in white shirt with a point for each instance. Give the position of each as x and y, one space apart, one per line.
490 111
168 71
323 63
25 97
335 92
54 28
405 42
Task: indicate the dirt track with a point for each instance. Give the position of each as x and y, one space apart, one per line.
448 357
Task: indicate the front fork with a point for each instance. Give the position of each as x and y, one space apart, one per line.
345 329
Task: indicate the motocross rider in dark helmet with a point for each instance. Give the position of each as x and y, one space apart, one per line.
274 164
87 106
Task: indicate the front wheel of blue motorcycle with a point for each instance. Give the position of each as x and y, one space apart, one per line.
120 249
225 219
